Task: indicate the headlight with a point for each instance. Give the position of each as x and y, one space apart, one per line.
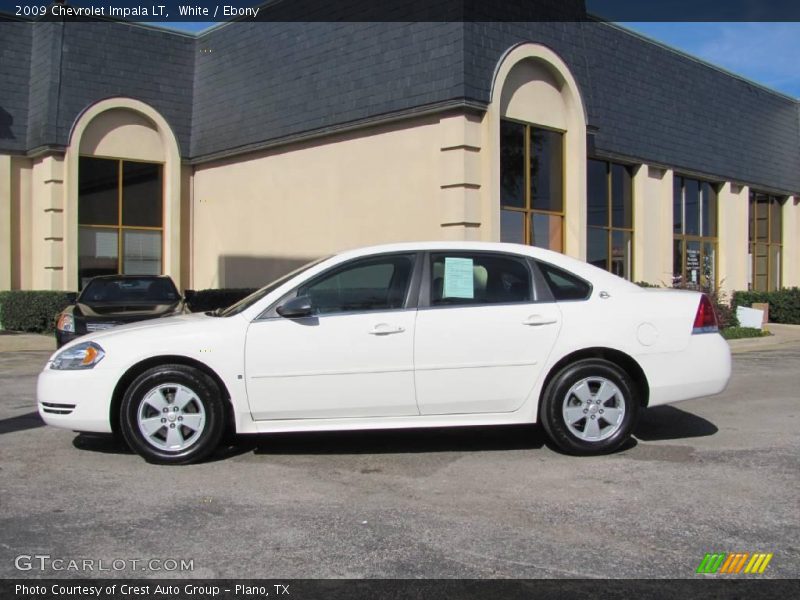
66 323
82 356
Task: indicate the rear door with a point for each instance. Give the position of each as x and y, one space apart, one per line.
483 333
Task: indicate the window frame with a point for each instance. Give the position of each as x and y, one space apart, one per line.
701 239
528 211
536 282
119 228
538 266
752 242
609 227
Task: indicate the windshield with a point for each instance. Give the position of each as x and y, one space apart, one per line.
247 302
159 290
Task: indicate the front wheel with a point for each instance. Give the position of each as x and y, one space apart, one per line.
590 407
172 414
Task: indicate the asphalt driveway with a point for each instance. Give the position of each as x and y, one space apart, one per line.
712 475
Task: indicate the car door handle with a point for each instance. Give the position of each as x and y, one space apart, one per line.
536 320
385 329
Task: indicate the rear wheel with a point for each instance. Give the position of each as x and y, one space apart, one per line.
590 407
172 414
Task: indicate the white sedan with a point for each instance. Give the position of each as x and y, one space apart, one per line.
403 335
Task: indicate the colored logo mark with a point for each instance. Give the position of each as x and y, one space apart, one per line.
734 563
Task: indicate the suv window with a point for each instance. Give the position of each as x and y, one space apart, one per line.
463 278
564 285
376 283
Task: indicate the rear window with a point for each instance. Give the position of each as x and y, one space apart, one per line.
564 285
131 289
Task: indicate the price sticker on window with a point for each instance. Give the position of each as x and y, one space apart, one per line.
458 280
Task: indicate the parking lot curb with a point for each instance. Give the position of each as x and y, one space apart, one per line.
11 341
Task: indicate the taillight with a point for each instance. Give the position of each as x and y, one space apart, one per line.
705 321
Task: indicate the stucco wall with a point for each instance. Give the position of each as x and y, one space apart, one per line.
259 216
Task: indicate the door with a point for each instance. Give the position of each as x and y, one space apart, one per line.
351 357
481 343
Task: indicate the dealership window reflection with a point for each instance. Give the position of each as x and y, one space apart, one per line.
120 218
610 217
766 241
531 185
694 226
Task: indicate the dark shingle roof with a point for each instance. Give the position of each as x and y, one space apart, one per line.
243 85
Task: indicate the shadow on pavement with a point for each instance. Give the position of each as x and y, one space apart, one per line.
658 423
105 443
30 420
460 439
393 441
670 423
390 441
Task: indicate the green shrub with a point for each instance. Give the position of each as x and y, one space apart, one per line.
31 311
738 333
784 305
726 313
205 300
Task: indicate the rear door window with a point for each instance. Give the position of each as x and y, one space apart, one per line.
462 278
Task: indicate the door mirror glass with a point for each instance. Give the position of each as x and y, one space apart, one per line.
296 308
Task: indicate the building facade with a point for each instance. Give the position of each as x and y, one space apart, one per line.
230 157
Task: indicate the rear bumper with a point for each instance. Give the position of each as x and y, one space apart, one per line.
76 400
702 369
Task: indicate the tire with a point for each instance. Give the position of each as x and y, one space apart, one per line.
590 407
172 414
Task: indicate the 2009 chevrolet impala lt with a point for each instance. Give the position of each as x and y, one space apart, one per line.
403 335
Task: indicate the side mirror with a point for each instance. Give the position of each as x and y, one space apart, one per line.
72 297
296 308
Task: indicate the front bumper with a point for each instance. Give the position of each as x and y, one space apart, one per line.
76 400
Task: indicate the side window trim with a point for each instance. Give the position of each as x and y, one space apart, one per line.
425 287
409 302
542 292
537 265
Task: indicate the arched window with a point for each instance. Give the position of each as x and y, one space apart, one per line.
120 217
531 185
539 170
122 212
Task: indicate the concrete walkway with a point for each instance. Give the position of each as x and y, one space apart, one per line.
782 336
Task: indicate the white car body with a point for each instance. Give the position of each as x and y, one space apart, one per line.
409 367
